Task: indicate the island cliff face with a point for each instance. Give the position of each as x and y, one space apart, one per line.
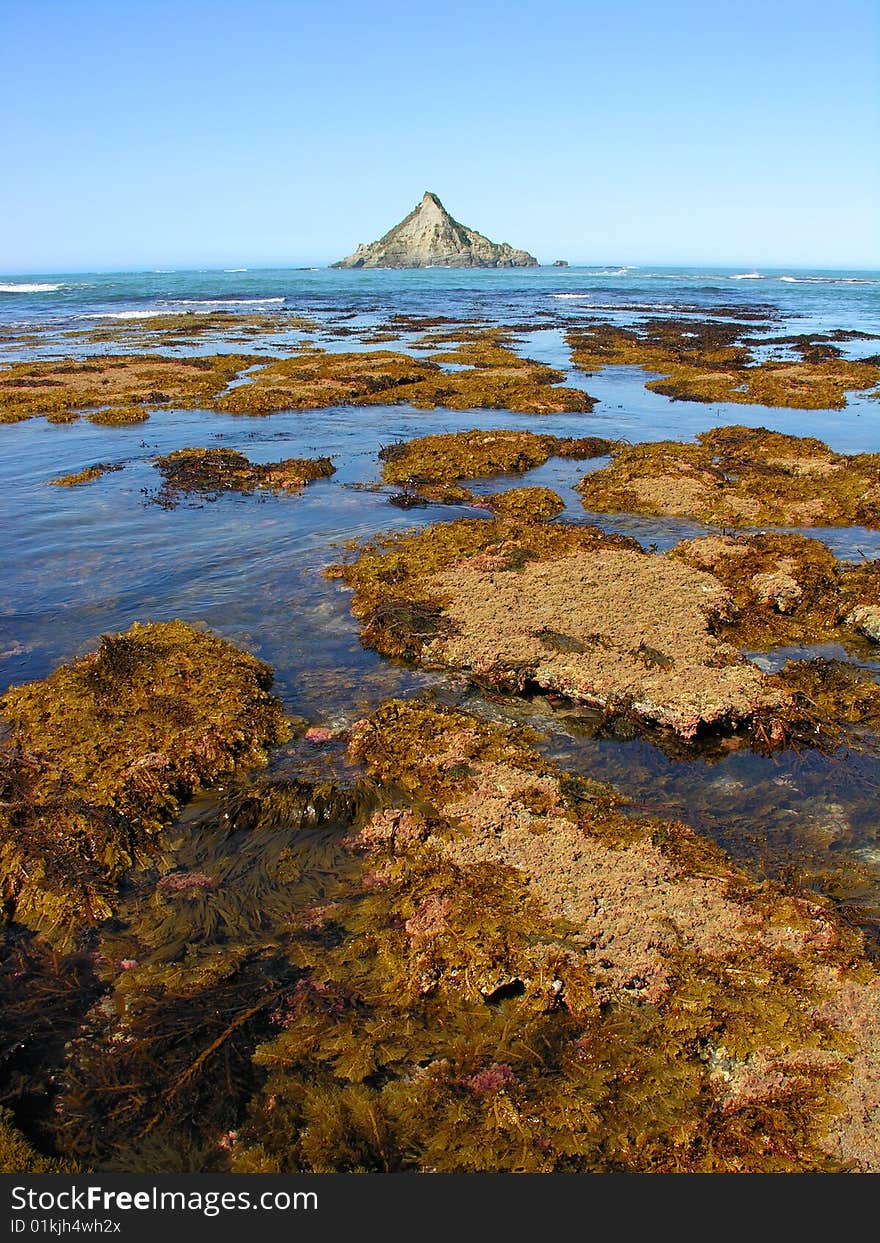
429 237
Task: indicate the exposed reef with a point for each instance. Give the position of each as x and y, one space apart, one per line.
431 467
631 1002
211 472
99 756
519 605
787 589
429 237
116 389
185 328
707 361
315 985
314 379
739 476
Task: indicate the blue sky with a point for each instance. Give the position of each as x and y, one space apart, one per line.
204 132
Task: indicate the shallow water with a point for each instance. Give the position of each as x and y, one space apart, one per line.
86 560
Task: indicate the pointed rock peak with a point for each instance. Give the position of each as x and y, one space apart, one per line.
429 237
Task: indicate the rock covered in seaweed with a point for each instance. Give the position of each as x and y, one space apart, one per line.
431 467
114 389
565 608
100 754
390 1024
622 951
314 379
740 476
210 472
786 588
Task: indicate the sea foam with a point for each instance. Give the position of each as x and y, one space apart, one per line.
29 288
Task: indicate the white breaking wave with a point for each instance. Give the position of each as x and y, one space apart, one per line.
747 276
829 280
29 288
235 269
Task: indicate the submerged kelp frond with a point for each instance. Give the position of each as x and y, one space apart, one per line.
740 476
100 754
842 695
529 993
45 998
710 361
314 379
198 965
118 388
210 472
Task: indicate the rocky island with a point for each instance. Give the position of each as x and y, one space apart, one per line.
430 237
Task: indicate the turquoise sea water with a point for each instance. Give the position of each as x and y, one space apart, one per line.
835 299
83 561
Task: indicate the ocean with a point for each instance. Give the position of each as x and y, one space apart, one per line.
815 298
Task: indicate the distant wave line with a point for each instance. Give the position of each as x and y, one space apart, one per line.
217 302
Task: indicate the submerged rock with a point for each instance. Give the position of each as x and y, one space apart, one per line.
429 237
87 475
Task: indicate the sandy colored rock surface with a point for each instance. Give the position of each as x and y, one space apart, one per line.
606 629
